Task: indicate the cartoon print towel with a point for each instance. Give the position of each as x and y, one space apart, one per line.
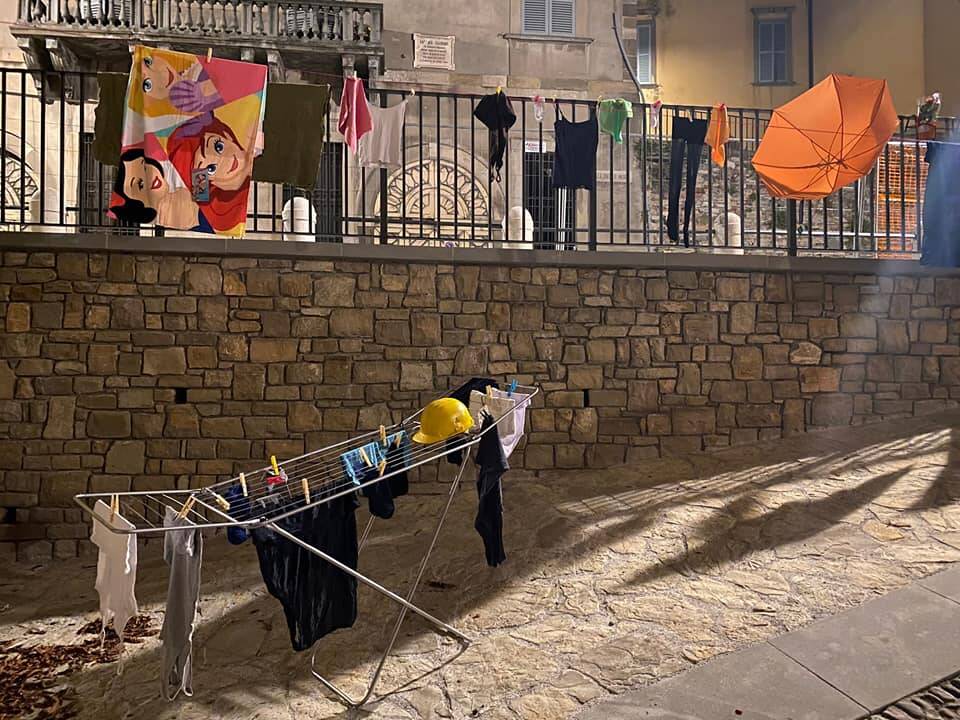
192 128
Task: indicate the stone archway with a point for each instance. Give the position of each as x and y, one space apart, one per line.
20 188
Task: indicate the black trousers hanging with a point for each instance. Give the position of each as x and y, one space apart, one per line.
687 139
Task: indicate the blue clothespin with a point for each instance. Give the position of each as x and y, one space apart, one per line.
513 386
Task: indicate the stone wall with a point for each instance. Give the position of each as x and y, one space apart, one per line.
122 371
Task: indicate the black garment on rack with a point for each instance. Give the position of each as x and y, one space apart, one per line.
496 112
462 394
575 162
317 598
379 495
688 137
941 206
493 464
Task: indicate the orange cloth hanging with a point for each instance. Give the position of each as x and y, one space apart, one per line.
827 138
718 133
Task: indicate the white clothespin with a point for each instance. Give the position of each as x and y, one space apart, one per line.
243 484
383 435
209 54
114 505
306 490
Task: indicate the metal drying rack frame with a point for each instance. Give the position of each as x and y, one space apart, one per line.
311 479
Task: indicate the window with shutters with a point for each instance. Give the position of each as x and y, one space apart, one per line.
646 53
549 17
772 40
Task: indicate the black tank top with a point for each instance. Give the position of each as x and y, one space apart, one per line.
575 163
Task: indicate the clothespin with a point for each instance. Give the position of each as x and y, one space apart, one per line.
513 386
209 54
366 458
499 90
306 490
383 467
273 461
383 435
187 507
243 484
114 505
221 501
398 439
413 91
489 391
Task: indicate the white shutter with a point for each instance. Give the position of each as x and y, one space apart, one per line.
535 16
562 17
645 51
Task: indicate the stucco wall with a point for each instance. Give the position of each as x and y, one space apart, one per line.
122 371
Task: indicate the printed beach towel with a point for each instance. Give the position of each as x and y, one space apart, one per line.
192 128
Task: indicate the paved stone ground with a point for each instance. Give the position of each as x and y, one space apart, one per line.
615 579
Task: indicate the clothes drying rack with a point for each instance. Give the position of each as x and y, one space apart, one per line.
312 479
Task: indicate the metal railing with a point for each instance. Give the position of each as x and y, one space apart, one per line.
444 193
303 21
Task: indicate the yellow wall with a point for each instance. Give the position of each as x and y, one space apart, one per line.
941 48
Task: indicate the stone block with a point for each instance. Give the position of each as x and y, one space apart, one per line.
629 292
340 419
108 424
295 285
694 421
376 371
303 417
232 347
751 415
334 290
743 318
821 328
306 373
8 381
907 369
392 332
102 359
876 303
351 322
584 377
819 379
688 382
805 353
260 428
263 282
181 421
893 336
470 360
467 278
880 368
416 376
855 325
221 427
127 313
61 413
249 381
202 279
728 392
700 328
947 291
933 331
832 410
563 296
601 351
271 350
733 288
126 457
950 371
425 329
747 363
18 317
643 395
498 316
164 361
583 429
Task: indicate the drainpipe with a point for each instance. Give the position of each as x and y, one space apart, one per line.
792 206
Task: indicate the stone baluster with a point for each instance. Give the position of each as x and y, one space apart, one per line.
207 20
348 24
376 25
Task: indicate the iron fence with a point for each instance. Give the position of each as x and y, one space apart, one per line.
444 192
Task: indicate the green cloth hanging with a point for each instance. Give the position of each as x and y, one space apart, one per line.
611 115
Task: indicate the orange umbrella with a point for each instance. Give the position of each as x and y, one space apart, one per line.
827 138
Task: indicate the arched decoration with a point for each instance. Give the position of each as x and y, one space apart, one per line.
20 186
456 204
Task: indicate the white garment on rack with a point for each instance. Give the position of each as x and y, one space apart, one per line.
510 441
498 406
116 568
382 147
183 551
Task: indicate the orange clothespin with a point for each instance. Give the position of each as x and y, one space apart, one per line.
366 458
187 507
383 467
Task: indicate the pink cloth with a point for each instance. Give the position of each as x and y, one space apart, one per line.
355 120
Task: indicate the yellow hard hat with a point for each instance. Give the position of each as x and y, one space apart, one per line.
442 419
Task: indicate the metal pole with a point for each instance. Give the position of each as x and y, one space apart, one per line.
810 69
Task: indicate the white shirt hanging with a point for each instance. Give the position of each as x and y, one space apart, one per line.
116 568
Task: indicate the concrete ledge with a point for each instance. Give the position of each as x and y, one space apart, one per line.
669 260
